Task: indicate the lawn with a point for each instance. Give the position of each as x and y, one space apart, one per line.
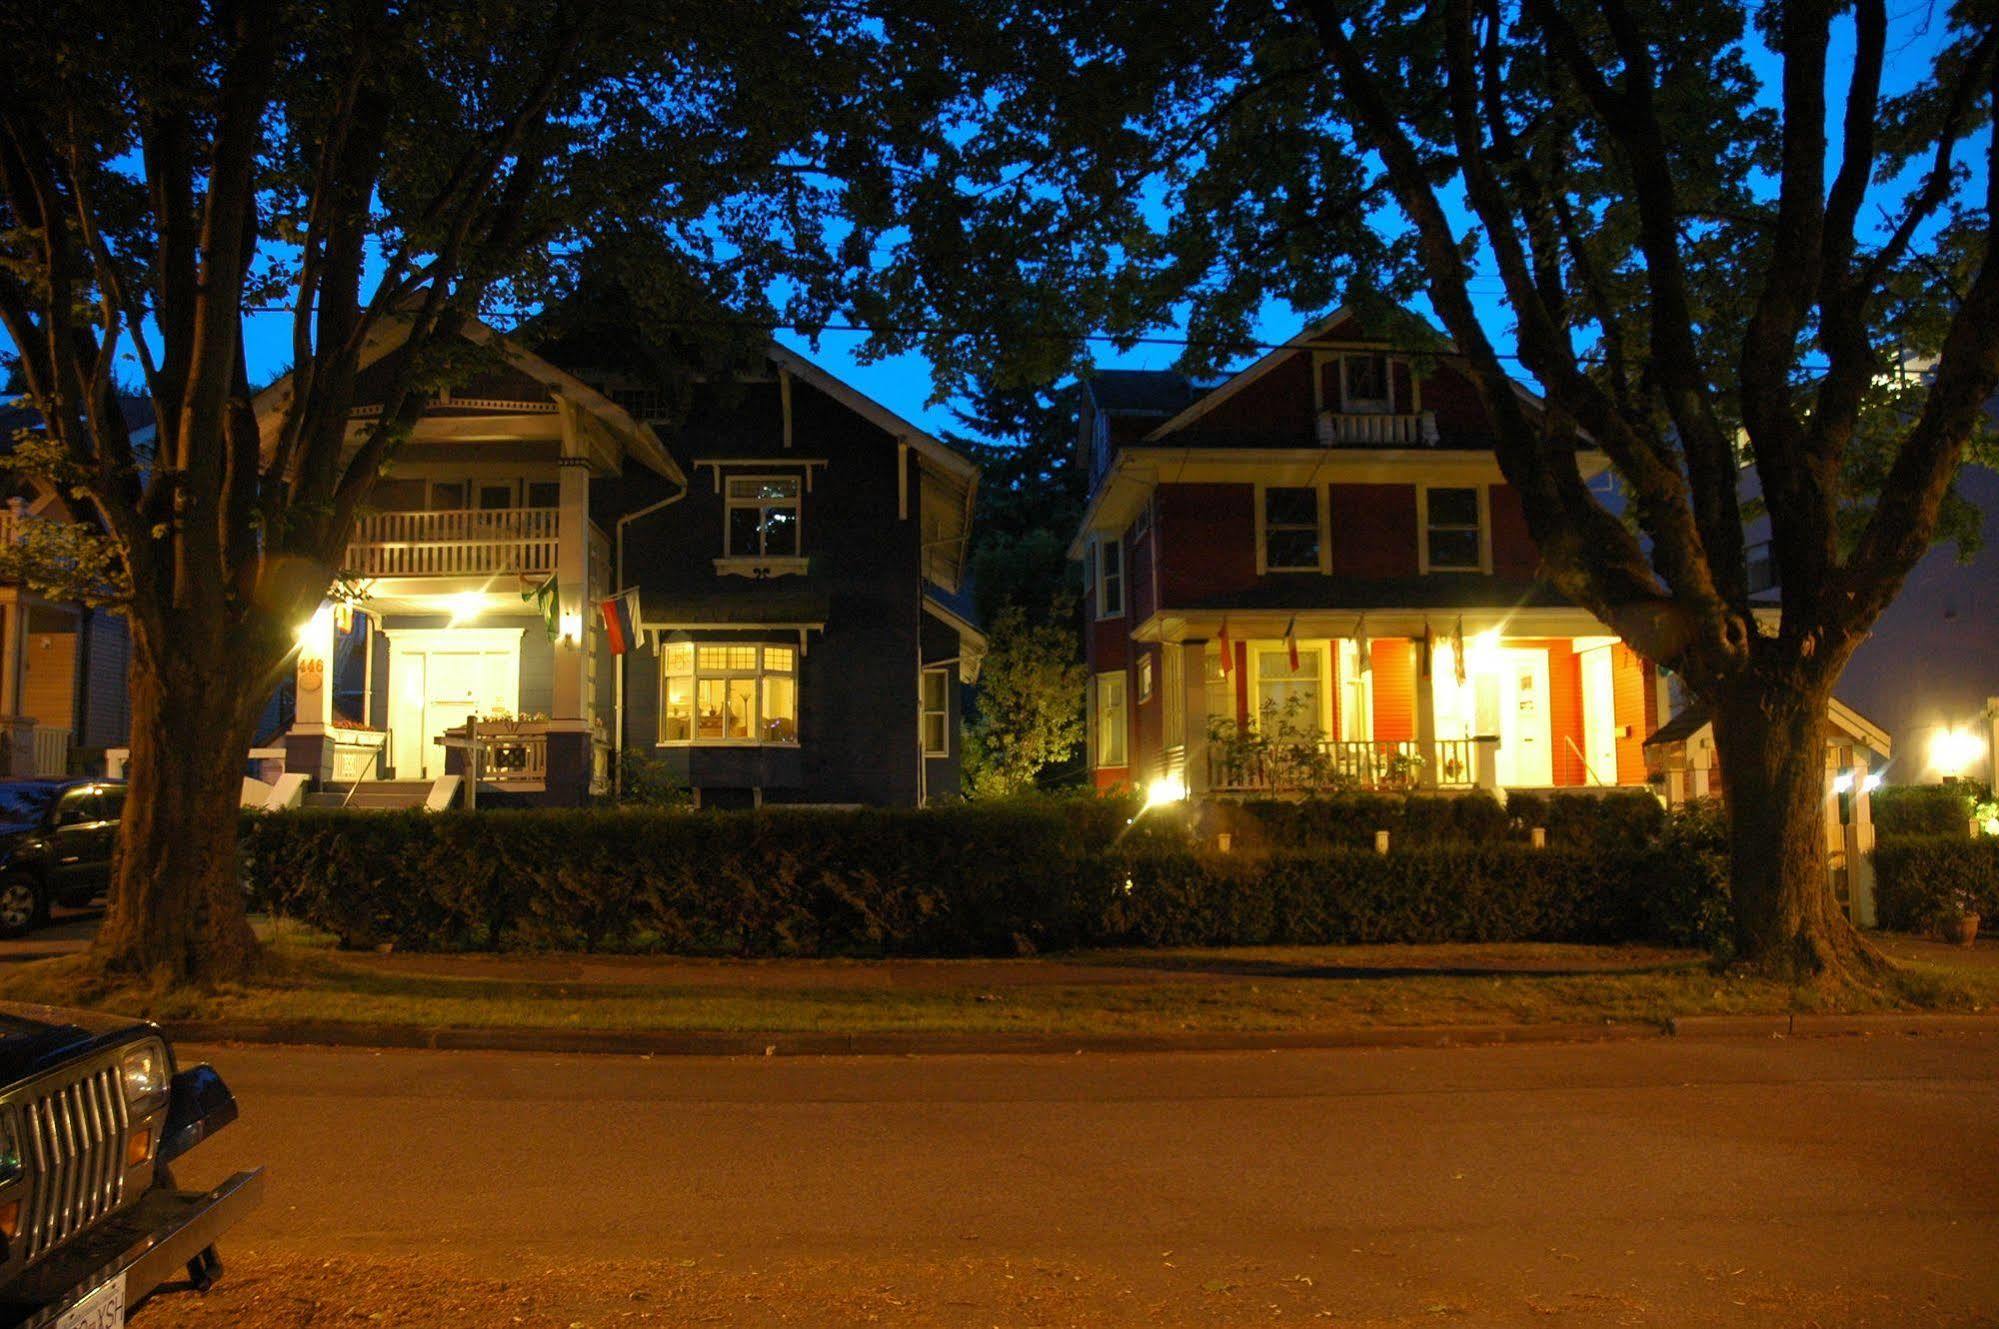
1235 990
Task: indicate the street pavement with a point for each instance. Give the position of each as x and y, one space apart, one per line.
1828 1182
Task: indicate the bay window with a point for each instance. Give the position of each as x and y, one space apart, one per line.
735 692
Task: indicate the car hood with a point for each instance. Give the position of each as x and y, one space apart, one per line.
35 1038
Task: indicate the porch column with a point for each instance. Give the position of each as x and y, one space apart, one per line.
1194 705
308 743
571 580
1426 714
1859 845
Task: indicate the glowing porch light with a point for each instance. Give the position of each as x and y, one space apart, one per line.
316 629
1955 751
1843 783
572 628
466 606
1482 651
1166 789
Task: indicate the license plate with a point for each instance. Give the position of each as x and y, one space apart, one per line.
104 1308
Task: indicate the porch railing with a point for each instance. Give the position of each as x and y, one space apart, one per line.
464 541
1377 430
51 752
510 752
1451 763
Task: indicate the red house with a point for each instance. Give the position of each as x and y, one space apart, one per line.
1320 552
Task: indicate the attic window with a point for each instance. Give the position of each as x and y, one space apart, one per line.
1364 382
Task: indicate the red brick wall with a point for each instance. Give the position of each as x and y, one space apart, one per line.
1374 530
1207 537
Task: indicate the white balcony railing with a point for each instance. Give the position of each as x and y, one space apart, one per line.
1361 429
1451 763
453 543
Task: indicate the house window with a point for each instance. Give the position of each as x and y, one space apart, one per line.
763 517
936 712
728 693
1145 678
1110 578
1111 720
1364 382
1287 699
1292 536
1452 537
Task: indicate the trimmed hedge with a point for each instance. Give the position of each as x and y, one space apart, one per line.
1625 819
972 879
1922 809
1918 877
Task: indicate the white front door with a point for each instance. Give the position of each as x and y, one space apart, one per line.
438 676
1526 754
1599 715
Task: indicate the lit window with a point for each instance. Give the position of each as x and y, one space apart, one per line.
936 712
1145 678
1287 699
728 694
1110 578
763 517
1291 535
1110 720
1452 541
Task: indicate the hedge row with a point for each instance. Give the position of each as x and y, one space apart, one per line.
1626 819
965 880
1919 877
1922 809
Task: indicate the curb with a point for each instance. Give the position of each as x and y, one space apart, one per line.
699 1043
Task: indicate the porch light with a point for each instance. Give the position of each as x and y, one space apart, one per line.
1482 651
466 606
317 628
1166 789
1955 751
1843 783
1871 783
572 628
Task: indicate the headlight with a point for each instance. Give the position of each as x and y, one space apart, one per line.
145 1073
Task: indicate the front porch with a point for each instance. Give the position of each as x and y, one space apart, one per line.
1536 700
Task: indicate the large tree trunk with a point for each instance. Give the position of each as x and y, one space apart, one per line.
1770 740
176 906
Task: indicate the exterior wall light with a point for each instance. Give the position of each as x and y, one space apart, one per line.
466 606
1166 789
1955 751
572 628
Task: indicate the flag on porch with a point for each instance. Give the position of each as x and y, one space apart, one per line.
548 604
1228 649
1458 648
1426 659
1362 646
621 616
1291 641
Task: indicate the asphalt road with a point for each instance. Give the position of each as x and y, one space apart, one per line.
1836 1182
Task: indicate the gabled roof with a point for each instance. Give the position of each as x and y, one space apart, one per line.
1842 717
1231 386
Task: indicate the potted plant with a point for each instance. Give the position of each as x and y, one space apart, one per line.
1957 917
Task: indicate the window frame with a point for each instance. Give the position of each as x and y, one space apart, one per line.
1424 563
941 713
1357 405
730 503
759 677
1321 505
1104 581
1110 681
1144 677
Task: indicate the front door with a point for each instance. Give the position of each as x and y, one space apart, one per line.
437 677
1526 755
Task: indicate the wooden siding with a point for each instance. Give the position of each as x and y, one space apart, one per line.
1513 551
1148 722
1632 704
1373 530
107 698
1271 411
48 677
1394 689
1207 541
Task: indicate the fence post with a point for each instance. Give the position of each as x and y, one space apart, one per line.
1538 837
1381 842
471 762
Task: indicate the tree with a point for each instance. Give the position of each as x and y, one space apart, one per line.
1695 275
1030 707
1030 497
169 170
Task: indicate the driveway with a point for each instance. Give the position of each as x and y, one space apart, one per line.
1812 1182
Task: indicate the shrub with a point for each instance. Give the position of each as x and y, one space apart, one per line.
983 878
1918 878
1690 904
1922 809
1623 819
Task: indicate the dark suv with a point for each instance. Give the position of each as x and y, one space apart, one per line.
56 838
93 1113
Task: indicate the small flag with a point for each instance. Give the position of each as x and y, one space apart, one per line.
548 604
1291 641
1458 648
620 621
1362 646
1228 649
1429 647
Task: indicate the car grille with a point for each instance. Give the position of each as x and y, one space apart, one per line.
76 1148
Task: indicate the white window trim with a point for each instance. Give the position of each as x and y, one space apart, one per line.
1356 721
1320 493
924 712
729 506
1484 492
760 673
1097 571
1102 714
1382 405
1255 683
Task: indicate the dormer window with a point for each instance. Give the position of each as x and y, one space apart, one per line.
764 517
1364 382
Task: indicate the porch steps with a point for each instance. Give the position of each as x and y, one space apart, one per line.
375 795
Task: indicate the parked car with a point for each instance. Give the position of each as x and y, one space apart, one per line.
93 1115
56 838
